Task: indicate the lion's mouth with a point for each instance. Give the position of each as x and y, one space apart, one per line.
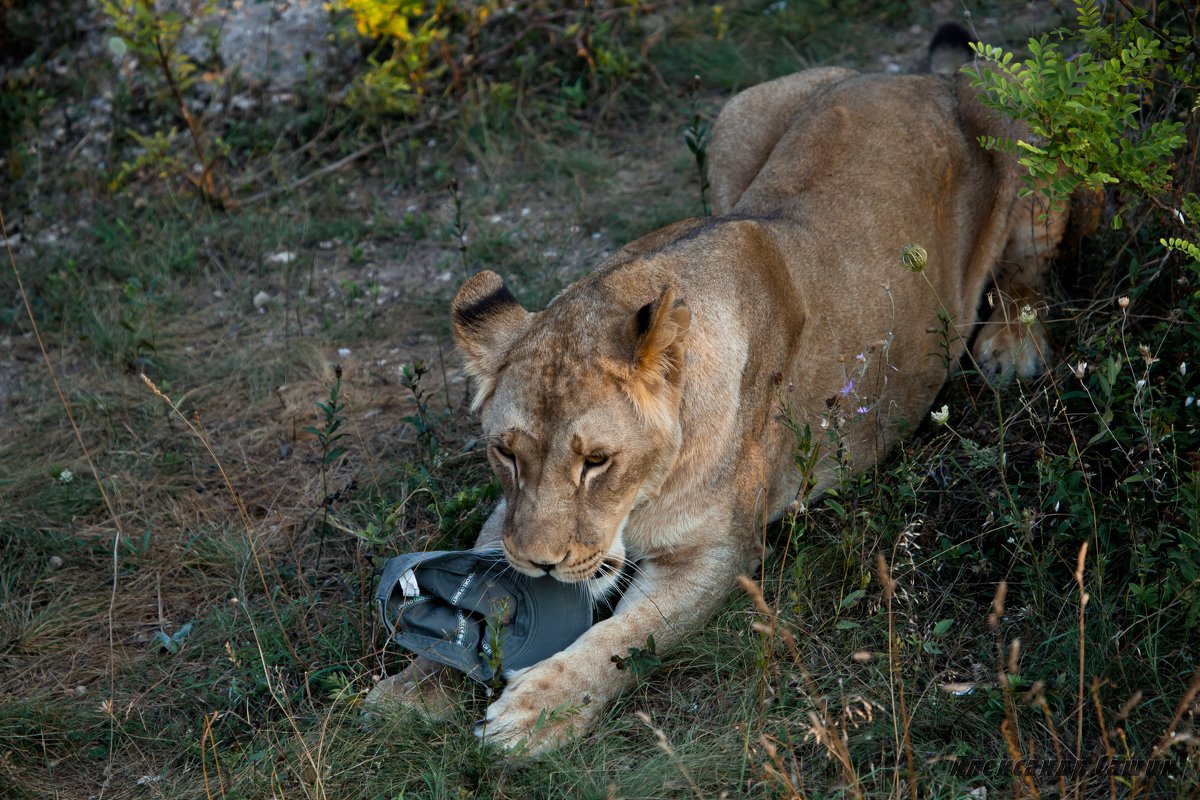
599 571
609 566
606 577
596 566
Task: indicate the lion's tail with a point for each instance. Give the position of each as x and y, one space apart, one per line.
949 49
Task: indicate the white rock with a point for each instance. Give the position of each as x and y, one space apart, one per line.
282 257
277 42
261 299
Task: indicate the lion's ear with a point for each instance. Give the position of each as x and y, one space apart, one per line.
486 320
660 330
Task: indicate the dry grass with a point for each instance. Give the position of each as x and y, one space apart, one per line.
963 610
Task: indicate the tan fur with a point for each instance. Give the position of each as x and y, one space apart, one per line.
641 415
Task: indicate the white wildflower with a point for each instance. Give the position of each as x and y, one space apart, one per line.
941 416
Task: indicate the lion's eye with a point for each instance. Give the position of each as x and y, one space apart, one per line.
504 452
592 462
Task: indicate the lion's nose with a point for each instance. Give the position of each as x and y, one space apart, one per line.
541 566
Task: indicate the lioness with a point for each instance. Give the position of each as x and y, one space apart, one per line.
647 415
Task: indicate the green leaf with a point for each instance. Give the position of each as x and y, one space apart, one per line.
846 625
160 641
172 643
942 627
852 598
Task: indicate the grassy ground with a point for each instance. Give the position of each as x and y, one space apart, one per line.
186 576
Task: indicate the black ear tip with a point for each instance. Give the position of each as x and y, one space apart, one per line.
642 319
489 297
951 36
480 284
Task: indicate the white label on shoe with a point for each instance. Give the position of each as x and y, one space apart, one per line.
461 590
408 584
460 632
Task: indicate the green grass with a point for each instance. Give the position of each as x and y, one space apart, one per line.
263 696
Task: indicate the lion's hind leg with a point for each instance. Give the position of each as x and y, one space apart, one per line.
1013 339
431 689
751 124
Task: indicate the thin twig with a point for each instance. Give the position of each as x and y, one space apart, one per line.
1083 601
361 152
205 184
896 673
87 454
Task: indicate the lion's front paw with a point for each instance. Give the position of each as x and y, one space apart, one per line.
541 708
432 689
1008 346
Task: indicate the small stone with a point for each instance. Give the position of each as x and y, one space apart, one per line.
261 299
282 257
55 562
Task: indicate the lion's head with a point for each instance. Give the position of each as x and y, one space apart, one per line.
580 412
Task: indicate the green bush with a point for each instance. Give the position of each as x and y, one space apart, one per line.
1101 103
422 49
